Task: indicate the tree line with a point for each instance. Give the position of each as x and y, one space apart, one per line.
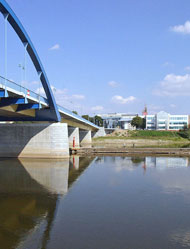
97 120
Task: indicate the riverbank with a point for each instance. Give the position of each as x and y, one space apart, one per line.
143 139
112 142
132 151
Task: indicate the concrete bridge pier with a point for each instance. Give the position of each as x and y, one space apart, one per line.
85 137
38 140
73 133
100 133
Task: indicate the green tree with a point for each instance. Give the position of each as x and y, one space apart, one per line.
86 117
98 120
144 123
75 112
137 122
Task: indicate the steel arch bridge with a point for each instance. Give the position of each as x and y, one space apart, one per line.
15 96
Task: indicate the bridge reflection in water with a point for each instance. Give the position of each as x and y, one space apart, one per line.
30 190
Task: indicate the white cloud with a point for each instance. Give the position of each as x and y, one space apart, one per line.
174 85
63 98
167 64
78 96
183 29
113 84
35 82
121 100
97 108
54 89
55 47
187 68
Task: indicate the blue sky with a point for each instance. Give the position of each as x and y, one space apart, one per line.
106 55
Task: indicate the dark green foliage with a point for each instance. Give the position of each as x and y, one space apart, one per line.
96 119
138 122
137 160
85 117
185 133
75 112
144 124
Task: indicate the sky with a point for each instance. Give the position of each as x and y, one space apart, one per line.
106 56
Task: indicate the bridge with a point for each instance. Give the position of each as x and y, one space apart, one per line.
39 127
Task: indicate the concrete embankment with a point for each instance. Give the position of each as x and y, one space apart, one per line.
133 151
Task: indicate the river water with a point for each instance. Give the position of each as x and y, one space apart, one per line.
106 202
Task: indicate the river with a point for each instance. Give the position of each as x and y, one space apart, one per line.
107 202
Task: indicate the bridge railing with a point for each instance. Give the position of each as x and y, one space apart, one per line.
70 113
23 90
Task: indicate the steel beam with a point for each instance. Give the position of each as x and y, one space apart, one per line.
3 94
12 101
29 106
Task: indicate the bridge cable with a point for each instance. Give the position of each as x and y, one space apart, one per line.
25 53
5 42
39 74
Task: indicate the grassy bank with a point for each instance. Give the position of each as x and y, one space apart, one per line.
144 134
143 139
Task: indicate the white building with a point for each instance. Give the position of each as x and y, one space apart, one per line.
118 120
165 121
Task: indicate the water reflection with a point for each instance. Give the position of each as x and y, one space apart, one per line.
67 204
30 190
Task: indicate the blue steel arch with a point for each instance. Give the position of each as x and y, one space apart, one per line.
51 114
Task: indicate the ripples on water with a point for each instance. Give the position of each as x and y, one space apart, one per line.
95 203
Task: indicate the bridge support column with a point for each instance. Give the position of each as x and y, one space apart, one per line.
100 133
38 140
85 137
73 133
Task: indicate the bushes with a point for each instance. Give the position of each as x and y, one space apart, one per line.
184 133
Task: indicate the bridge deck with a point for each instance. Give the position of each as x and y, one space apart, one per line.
18 92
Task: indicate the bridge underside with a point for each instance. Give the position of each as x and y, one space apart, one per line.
17 106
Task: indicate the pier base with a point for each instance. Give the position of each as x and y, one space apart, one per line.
100 133
85 137
73 133
38 140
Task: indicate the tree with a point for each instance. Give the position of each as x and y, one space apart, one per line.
144 123
75 112
98 120
85 117
137 122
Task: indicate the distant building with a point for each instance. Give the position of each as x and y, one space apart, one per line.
160 121
118 120
165 121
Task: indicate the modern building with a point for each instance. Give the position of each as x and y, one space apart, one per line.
118 120
165 121
160 121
